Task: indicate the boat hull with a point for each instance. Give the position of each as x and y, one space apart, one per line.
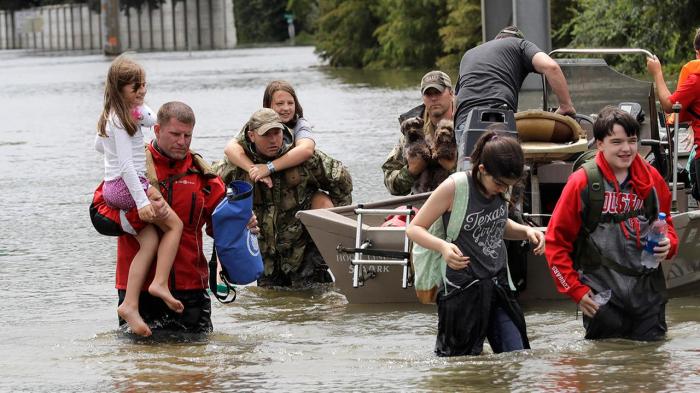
331 228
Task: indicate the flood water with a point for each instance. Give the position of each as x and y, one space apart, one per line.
58 329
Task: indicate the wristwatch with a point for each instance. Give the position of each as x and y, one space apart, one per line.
271 167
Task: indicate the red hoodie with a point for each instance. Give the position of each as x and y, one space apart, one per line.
566 221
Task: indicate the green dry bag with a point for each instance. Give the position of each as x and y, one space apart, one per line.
428 265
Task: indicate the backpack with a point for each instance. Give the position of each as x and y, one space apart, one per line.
429 267
586 254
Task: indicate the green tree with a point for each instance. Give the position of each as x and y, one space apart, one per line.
260 21
665 27
409 37
461 31
345 32
562 15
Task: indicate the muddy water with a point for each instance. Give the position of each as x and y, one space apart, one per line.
57 301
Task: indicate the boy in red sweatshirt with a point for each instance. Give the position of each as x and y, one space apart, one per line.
612 261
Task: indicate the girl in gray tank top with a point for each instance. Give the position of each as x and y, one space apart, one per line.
478 303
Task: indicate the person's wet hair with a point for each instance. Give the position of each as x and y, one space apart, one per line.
501 156
608 117
275 86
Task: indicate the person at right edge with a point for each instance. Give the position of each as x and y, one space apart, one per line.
585 263
688 95
491 75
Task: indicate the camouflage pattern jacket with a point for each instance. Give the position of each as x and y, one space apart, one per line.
282 237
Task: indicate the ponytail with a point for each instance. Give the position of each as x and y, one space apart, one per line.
501 156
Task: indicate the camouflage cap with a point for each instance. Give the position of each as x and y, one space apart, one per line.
263 120
435 79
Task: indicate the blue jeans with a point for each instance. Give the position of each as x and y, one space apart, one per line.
503 335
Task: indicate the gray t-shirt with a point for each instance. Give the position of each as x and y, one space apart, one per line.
302 129
492 73
481 237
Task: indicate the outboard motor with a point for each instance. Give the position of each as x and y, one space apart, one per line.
480 120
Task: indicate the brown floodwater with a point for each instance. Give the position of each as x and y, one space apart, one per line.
58 329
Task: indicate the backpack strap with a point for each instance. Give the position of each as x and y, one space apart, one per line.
596 196
459 205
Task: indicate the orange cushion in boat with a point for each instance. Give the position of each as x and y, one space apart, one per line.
540 126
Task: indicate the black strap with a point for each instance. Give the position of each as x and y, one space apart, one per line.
596 196
230 295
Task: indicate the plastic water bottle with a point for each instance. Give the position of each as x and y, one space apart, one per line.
602 297
657 232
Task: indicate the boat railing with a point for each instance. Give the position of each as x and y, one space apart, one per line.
363 247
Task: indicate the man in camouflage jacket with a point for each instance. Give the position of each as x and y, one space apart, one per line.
400 173
289 255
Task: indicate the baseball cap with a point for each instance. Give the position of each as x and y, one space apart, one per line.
436 79
263 120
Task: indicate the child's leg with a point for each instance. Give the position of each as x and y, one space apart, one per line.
129 309
321 200
167 249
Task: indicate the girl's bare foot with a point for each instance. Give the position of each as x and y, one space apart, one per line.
164 293
133 319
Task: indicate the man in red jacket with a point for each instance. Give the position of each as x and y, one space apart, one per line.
193 191
636 309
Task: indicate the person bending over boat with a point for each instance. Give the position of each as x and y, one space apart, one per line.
281 97
290 257
193 190
491 75
406 173
477 302
591 258
688 95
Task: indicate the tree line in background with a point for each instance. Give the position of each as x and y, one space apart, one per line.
435 33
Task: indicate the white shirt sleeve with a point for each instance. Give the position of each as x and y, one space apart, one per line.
98 144
123 143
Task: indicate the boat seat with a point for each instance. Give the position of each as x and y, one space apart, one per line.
548 136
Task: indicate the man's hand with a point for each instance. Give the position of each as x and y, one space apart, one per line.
566 110
253 225
416 165
588 306
160 207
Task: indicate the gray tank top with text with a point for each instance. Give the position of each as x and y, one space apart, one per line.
481 237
